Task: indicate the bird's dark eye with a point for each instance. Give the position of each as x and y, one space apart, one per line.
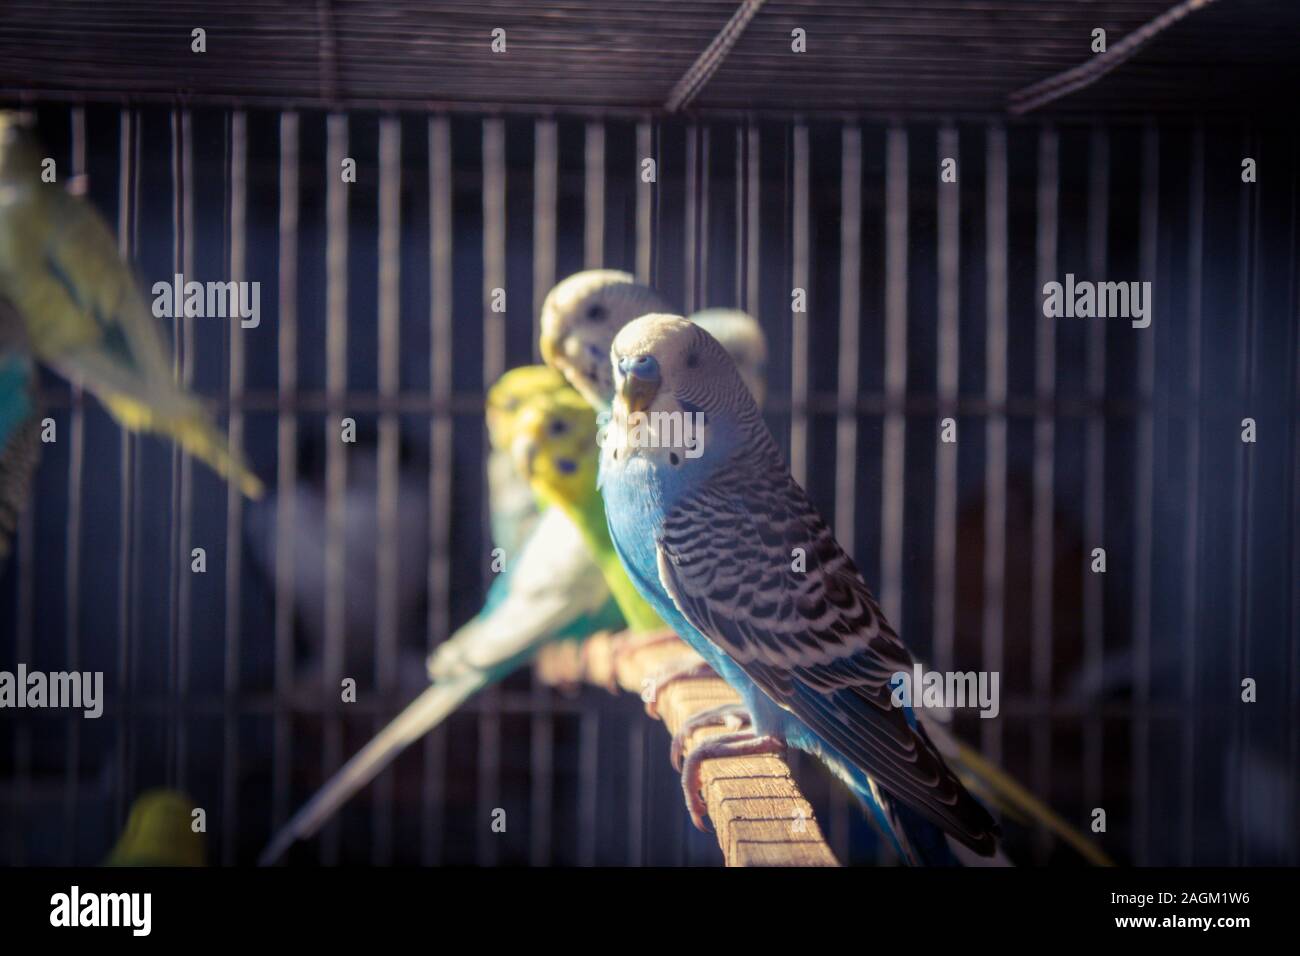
559 426
692 360
565 467
596 312
673 459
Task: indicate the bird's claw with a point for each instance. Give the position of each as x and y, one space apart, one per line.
685 669
733 717
740 744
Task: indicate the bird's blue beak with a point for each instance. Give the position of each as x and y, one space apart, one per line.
641 381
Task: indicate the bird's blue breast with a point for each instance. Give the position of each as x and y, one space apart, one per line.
634 508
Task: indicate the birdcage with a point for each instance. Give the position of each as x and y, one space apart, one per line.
1102 511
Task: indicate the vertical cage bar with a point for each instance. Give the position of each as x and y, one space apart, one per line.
741 221
995 389
441 433
1248 297
389 306
542 756
125 209
588 785
752 174
702 222
588 721
72 567
24 541
234 498
593 243
494 246
546 172
1293 632
846 424
494 343
336 463
945 482
1144 504
690 270
850 305
135 593
1094 503
892 473
636 794
1042 528
644 199
286 464
800 274
24 556
1192 512
183 464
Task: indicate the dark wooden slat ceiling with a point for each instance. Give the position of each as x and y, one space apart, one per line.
624 56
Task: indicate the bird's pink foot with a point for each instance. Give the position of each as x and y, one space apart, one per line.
741 744
687 668
732 716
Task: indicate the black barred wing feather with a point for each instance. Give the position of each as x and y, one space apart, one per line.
753 566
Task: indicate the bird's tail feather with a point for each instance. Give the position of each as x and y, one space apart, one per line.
1008 797
193 432
420 716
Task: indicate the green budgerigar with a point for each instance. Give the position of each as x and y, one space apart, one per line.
84 313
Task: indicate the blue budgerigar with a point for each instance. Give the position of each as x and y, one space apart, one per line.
19 424
730 551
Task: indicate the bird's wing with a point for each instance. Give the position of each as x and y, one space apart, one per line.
97 325
554 580
814 640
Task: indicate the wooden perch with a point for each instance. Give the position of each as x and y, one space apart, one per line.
760 816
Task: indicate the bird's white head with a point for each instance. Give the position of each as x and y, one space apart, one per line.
579 320
678 394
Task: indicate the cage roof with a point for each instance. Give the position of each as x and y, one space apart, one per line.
627 56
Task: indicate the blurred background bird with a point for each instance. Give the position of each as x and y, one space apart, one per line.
512 503
555 447
85 315
308 501
160 832
550 589
579 320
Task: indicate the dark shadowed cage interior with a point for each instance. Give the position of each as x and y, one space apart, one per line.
1121 690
